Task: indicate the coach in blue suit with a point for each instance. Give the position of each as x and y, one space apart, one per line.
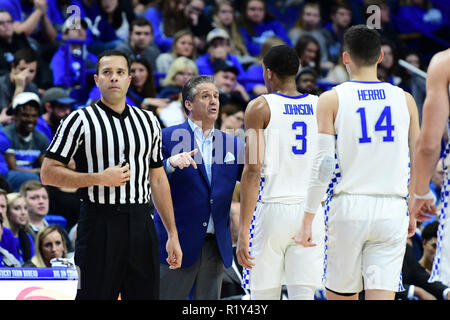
203 165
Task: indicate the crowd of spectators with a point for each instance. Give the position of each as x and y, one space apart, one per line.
49 48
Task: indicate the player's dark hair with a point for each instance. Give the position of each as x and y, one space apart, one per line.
430 230
363 45
282 60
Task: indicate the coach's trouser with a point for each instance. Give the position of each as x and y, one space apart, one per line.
117 252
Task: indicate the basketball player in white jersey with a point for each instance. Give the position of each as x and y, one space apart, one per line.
435 118
281 141
371 127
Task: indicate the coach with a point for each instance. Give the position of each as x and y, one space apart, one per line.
203 165
117 152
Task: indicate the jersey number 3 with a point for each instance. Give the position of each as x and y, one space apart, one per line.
384 123
301 126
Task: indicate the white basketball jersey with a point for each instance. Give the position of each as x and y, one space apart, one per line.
372 127
290 146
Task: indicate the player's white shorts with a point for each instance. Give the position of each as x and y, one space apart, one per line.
365 239
278 260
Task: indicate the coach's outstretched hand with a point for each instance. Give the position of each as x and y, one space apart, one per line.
183 160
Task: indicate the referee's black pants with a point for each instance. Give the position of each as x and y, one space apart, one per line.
117 252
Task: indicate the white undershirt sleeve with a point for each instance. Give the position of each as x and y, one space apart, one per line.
322 171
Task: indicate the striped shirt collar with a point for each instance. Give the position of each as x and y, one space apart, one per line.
107 109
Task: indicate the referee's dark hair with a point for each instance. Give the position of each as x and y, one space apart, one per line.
109 53
363 44
190 88
282 60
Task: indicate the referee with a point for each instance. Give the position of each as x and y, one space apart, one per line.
117 151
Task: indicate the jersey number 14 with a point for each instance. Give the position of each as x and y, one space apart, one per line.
384 123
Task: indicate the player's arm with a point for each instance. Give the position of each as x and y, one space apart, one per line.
435 115
323 165
414 130
257 116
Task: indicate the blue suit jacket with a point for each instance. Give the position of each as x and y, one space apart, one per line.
194 198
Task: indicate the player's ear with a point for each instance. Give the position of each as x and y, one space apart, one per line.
346 58
380 58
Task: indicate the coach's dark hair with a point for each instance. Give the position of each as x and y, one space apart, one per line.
363 45
110 53
282 60
26 54
430 230
190 88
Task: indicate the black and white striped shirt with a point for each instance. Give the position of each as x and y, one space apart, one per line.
97 138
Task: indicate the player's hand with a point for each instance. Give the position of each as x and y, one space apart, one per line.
174 253
242 251
412 226
423 209
183 160
116 176
303 236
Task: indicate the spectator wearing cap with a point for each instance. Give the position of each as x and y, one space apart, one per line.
306 81
231 91
19 79
218 50
56 104
68 59
27 145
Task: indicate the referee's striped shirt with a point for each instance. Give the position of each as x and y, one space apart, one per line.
97 138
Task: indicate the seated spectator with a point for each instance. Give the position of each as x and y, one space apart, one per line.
231 121
140 43
338 72
6 258
18 221
37 201
67 61
49 244
257 24
20 78
308 50
415 281
142 89
173 114
309 22
218 50
306 81
182 46
31 18
333 32
390 62
181 70
429 238
224 18
198 23
3 206
231 91
255 85
10 41
167 17
28 145
112 25
4 145
56 104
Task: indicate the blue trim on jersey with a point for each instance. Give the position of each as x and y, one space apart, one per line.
357 81
290 97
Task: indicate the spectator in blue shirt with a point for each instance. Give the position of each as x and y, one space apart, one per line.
257 24
67 62
167 18
218 50
31 18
